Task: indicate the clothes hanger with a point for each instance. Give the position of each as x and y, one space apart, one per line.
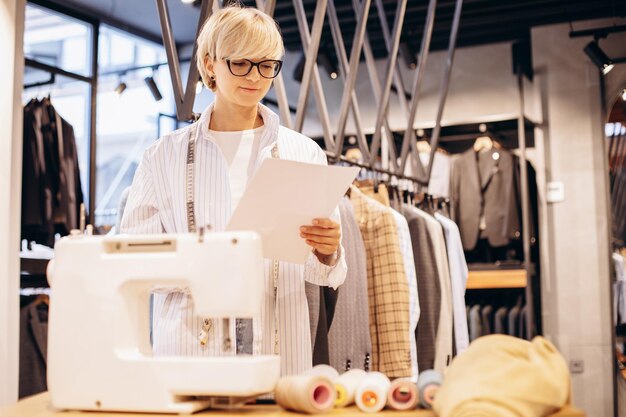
423 146
483 143
42 299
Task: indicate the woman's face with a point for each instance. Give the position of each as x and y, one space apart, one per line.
245 91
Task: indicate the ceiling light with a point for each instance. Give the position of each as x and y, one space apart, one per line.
408 54
328 62
199 86
187 1
120 88
597 55
154 89
298 71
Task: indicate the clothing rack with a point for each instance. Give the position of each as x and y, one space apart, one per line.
340 158
511 132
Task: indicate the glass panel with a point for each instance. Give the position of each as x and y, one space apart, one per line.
57 40
128 119
70 98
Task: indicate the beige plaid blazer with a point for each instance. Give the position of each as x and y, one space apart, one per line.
387 288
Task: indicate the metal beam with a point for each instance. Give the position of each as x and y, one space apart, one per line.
409 135
383 103
183 99
370 62
355 55
340 50
521 131
398 86
279 83
320 99
443 93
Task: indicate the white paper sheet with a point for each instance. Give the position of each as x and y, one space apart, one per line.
284 195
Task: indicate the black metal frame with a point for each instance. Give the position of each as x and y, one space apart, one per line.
93 89
184 99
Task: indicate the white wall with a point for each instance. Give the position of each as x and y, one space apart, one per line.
482 84
11 70
576 292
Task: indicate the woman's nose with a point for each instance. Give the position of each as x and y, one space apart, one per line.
254 74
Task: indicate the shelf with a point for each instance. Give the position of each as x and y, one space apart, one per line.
502 278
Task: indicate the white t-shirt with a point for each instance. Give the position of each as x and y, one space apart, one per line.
238 148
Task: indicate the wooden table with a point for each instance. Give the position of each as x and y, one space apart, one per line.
39 406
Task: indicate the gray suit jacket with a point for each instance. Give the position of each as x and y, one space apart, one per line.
500 320
428 289
475 323
33 349
349 341
486 179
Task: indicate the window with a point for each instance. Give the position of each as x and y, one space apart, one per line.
62 42
127 118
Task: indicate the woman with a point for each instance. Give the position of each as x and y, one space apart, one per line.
239 51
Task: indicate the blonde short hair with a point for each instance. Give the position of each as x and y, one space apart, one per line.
237 32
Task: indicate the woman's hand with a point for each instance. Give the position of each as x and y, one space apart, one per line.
324 236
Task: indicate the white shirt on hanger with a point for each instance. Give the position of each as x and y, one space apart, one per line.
458 281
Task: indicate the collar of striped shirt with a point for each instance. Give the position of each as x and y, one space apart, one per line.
270 120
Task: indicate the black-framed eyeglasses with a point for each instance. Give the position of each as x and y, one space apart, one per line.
268 68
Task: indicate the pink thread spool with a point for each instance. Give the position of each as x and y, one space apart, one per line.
403 394
311 394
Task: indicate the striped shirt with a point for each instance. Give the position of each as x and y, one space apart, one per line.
156 204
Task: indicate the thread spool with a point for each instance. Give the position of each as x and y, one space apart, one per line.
371 396
346 386
403 394
323 370
428 384
311 394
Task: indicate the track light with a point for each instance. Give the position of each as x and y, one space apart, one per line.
299 69
597 55
120 88
153 88
327 61
408 54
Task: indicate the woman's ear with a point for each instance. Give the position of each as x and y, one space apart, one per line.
209 66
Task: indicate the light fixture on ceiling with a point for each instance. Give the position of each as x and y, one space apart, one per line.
597 55
187 1
299 69
152 86
121 86
326 60
408 54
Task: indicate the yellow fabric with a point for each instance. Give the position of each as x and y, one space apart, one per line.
502 376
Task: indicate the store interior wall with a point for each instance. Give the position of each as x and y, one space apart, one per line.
482 83
11 70
576 286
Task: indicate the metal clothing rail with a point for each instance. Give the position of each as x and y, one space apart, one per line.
340 158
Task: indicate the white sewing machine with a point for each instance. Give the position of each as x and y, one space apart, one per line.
99 353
